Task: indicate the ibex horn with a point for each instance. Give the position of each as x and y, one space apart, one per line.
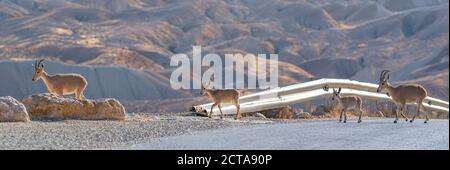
383 74
35 64
40 62
386 73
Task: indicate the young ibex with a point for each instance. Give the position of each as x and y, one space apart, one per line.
61 84
403 94
347 103
219 96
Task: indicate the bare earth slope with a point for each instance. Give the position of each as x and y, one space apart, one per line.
336 39
104 81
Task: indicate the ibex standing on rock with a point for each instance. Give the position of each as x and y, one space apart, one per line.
347 103
61 84
219 96
403 94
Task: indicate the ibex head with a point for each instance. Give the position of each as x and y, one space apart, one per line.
38 69
384 77
204 88
336 94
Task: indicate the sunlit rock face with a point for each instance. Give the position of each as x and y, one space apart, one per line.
12 110
49 106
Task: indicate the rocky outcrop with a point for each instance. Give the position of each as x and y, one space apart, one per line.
12 110
49 106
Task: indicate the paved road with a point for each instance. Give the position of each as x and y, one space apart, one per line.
370 134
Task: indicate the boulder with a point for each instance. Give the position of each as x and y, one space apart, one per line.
12 110
260 115
279 113
49 106
303 115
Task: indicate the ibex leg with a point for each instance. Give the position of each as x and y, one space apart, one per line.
210 112
360 114
419 103
220 109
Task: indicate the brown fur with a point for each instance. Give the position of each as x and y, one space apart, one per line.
61 84
347 103
220 96
403 94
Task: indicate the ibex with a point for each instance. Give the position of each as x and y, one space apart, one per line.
219 96
61 84
347 103
403 94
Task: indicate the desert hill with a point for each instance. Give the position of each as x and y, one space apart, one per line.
352 39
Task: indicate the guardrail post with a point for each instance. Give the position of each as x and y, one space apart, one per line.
308 106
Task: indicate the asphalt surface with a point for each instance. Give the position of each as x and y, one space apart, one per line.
370 134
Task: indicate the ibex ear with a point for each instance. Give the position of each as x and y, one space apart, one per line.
339 91
208 85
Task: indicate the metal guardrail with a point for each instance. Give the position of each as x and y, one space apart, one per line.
303 92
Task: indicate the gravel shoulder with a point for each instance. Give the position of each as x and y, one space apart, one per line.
104 134
183 131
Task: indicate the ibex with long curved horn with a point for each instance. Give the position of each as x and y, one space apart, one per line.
346 103
403 94
61 84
